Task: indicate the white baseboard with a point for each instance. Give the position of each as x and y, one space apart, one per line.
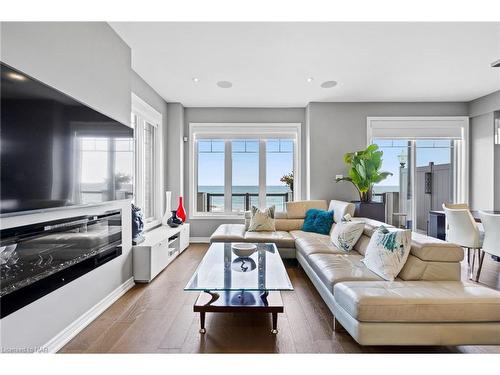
199 239
63 337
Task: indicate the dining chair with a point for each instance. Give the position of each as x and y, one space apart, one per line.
462 230
491 243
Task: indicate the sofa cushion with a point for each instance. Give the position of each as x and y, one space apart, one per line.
228 233
336 268
340 209
301 234
280 238
371 225
433 249
281 221
298 209
418 301
362 244
307 246
418 269
423 247
288 224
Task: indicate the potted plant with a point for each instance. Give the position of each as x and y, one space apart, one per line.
288 180
364 172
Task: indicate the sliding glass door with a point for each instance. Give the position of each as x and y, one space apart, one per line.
397 190
423 179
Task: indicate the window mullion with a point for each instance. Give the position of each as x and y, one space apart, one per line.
228 177
262 174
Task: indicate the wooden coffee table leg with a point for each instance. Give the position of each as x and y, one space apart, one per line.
202 323
275 323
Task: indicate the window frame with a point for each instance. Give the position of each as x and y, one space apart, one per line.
145 113
230 131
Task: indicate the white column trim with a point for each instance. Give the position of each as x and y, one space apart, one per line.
262 174
228 177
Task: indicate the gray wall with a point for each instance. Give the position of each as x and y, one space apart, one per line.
204 228
497 170
91 63
484 173
175 152
86 60
482 165
337 128
485 104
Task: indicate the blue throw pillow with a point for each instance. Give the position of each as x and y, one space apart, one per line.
318 221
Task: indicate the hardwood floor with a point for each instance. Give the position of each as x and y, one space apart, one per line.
159 318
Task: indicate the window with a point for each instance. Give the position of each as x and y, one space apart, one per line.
236 166
148 170
245 174
279 172
211 175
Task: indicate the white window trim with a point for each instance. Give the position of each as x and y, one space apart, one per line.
237 131
155 118
431 127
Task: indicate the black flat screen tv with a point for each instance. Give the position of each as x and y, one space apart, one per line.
57 152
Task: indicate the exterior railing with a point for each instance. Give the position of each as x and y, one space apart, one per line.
207 199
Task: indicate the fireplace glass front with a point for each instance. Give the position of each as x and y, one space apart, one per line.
39 258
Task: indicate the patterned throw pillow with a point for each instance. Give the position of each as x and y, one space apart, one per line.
346 233
318 221
262 221
388 251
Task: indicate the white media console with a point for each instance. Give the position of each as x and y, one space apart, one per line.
161 247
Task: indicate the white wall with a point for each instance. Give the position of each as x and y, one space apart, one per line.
88 61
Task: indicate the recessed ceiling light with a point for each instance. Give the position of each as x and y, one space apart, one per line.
495 64
310 79
196 79
328 84
224 84
16 76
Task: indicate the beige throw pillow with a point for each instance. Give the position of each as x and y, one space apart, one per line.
262 221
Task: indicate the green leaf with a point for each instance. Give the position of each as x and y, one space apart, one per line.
364 169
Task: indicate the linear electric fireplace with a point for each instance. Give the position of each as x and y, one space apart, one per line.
40 258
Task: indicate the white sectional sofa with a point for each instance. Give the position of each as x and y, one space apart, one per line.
427 304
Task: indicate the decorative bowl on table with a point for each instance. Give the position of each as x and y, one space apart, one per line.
243 250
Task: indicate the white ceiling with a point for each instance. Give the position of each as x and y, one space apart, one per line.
269 63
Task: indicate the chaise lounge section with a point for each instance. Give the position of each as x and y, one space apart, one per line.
427 304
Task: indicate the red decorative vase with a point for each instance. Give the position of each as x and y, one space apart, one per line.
181 213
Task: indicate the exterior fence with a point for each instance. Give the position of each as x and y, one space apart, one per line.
207 202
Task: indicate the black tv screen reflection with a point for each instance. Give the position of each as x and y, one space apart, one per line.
57 152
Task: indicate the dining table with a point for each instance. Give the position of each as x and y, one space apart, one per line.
437 218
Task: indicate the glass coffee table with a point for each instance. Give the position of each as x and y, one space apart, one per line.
229 283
